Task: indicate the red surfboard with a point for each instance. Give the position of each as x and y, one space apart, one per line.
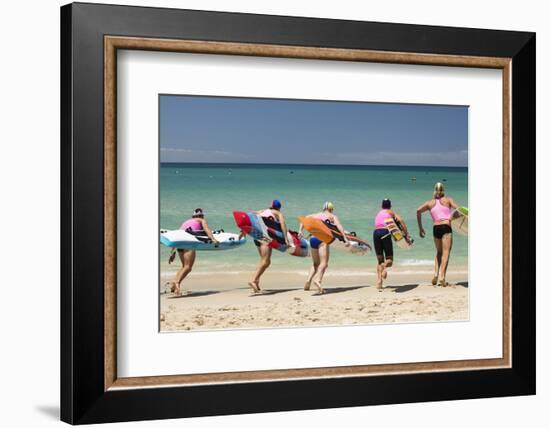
243 221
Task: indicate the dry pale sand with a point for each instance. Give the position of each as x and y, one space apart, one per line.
407 297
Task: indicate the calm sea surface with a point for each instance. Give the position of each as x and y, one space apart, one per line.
357 191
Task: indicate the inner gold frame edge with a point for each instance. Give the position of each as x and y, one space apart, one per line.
113 43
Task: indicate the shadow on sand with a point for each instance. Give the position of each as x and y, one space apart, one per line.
194 294
401 288
272 292
339 290
463 284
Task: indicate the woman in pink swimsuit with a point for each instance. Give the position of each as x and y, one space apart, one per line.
320 253
440 207
195 225
272 215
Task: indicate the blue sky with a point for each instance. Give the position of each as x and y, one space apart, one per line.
250 130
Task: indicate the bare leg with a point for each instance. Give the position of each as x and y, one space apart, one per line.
383 271
437 262
264 252
379 272
187 258
175 283
324 255
447 245
314 267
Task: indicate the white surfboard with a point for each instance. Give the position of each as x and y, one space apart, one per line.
183 240
357 246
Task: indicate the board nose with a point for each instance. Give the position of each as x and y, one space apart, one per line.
243 221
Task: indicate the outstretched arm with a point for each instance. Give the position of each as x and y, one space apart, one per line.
401 222
283 226
208 231
340 228
422 208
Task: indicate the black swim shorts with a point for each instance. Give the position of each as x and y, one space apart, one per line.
441 229
383 245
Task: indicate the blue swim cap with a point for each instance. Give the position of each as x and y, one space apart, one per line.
276 204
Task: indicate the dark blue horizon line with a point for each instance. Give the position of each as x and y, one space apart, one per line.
306 165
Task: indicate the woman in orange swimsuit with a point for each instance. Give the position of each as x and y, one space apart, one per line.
441 208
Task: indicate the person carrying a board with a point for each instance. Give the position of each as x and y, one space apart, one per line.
272 217
196 225
320 253
441 209
382 239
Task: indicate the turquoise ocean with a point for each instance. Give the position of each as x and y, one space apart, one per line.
356 191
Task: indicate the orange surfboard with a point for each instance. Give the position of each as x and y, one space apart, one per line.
317 228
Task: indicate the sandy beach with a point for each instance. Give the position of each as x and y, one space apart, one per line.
224 302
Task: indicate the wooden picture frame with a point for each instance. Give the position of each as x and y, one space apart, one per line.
91 390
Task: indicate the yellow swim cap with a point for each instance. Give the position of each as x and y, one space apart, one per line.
439 190
328 206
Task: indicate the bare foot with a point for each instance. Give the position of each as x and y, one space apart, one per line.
307 285
318 285
171 287
434 280
255 286
443 283
379 285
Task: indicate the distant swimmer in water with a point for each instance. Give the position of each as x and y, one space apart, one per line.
382 239
197 224
320 253
440 207
273 217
